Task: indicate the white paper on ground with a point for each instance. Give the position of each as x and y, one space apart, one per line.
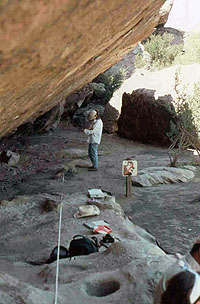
96 193
94 224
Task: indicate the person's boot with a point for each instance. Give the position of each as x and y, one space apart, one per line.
93 169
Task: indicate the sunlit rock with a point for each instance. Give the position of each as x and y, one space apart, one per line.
48 51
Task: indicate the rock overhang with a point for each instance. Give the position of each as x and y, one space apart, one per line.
50 49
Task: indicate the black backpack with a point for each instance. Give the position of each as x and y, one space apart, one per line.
62 255
81 245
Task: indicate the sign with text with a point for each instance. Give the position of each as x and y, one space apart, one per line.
129 167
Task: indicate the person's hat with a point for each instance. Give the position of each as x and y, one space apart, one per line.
92 115
87 210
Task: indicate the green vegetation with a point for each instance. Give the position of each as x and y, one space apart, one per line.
194 105
159 52
184 126
191 52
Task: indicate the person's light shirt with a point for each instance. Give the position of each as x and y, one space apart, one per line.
95 133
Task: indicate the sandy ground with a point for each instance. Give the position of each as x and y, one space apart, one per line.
165 211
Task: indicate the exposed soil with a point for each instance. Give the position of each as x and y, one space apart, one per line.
165 211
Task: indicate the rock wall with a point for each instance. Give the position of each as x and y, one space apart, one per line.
48 49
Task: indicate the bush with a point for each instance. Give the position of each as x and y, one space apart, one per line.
185 126
139 62
194 105
161 51
191 52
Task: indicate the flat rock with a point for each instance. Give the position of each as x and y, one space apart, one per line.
163 175
127 271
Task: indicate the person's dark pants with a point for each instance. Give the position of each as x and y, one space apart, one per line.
93 154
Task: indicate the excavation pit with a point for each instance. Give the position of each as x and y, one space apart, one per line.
102 288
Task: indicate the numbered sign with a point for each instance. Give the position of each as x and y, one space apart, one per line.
129 167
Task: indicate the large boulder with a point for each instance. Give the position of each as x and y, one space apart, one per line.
145 119
110 118
80 115
156 87
49 51
75 100
162 82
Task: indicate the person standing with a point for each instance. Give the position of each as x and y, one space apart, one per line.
94 133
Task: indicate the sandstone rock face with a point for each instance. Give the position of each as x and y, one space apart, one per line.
164 11
50 49
126 272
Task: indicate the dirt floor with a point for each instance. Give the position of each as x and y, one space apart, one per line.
166 211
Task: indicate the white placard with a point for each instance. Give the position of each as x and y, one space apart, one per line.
129 167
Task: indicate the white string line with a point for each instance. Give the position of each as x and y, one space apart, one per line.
58 251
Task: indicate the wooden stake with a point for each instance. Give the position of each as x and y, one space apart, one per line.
128 185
